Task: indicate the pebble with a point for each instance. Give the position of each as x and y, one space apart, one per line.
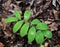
46 44
41 45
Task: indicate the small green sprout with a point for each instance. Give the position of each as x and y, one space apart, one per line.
35 29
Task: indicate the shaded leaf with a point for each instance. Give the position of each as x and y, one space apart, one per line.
17 14
39 37
35 21
24 29
31 34
17 26
42 26
27 15
11 19
47 34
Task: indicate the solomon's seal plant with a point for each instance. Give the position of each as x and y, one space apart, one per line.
34 30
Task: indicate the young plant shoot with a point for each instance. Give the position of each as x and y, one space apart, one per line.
34 30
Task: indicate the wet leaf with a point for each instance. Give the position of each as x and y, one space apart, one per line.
42 26
24 29
27 15
11 19
17 26
31 34
17 14
39 37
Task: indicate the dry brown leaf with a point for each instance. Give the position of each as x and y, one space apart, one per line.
1 44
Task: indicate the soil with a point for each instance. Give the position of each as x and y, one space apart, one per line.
44 10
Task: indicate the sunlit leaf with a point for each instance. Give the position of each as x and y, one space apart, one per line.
17 14
27 15
11 19
47 34
35 22
17 26
31 34
24 29
42 26
39 37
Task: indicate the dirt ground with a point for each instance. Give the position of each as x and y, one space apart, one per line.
44 10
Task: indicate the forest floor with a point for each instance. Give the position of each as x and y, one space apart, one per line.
44 10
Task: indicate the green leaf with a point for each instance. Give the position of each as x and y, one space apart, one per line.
24 29
47 34
31 34
11 19
27 15
42 26
39 37
35 22
17 14
17 26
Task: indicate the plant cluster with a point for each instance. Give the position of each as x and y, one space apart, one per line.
34 30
